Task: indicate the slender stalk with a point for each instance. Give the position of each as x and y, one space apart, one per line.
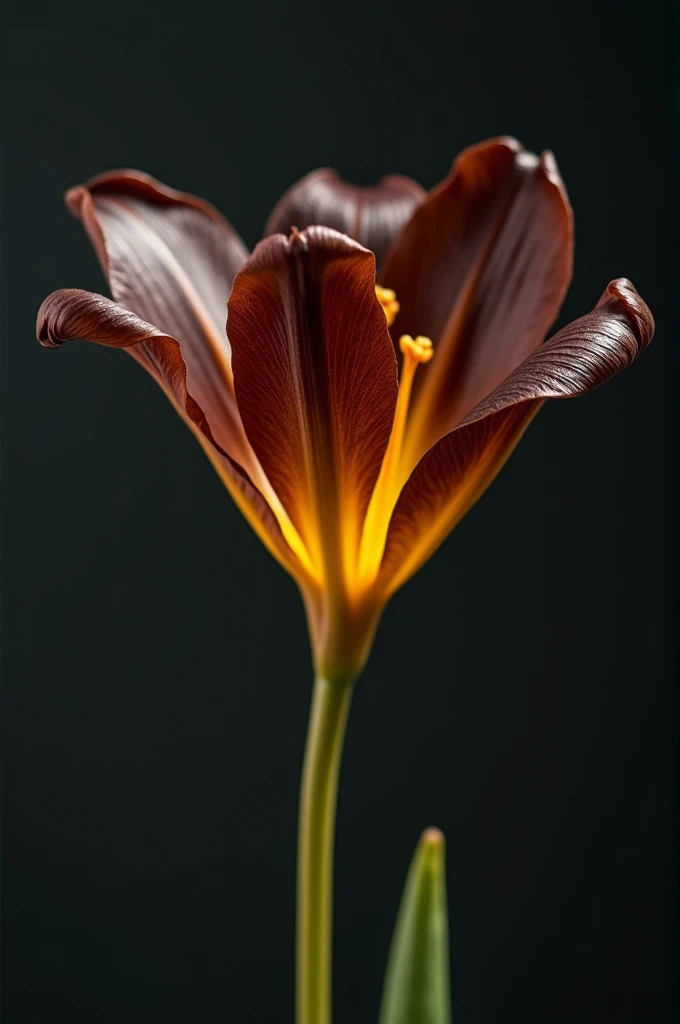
330 706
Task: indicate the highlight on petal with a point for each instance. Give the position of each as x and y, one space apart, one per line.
372 216
171 259
481 268
71 314
459 468
316 382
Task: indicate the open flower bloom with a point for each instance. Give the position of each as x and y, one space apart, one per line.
353 426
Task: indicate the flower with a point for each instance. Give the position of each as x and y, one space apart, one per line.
353 451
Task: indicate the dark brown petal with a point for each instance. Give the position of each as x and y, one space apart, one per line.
315 377
457 470
482 269
71 314
171 259
372 216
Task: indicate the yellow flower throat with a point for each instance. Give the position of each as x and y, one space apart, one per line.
363 569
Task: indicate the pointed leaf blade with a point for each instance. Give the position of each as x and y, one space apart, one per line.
417 988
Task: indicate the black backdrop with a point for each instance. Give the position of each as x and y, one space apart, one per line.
156 668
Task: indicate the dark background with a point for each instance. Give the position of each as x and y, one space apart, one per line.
156 671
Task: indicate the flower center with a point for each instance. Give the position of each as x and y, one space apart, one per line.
386 491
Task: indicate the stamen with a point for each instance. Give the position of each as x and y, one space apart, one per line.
386 491
420 348
388 300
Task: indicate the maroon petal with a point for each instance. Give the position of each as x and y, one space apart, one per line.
71 314
372 216
171 259
316 382
481 268
459 468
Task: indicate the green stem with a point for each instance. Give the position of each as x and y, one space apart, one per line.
330 706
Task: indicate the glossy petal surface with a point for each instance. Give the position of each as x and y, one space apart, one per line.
373 216
71 314
315 378
481 268
457 470
171 259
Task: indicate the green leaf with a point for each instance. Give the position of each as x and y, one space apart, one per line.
417 987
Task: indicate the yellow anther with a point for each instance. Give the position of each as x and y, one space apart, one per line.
388 300
419 348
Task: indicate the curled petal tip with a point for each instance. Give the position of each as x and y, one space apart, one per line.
42 327
623 289
526 160
635 310
71 313
510 142
551 172
550 168
74 199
